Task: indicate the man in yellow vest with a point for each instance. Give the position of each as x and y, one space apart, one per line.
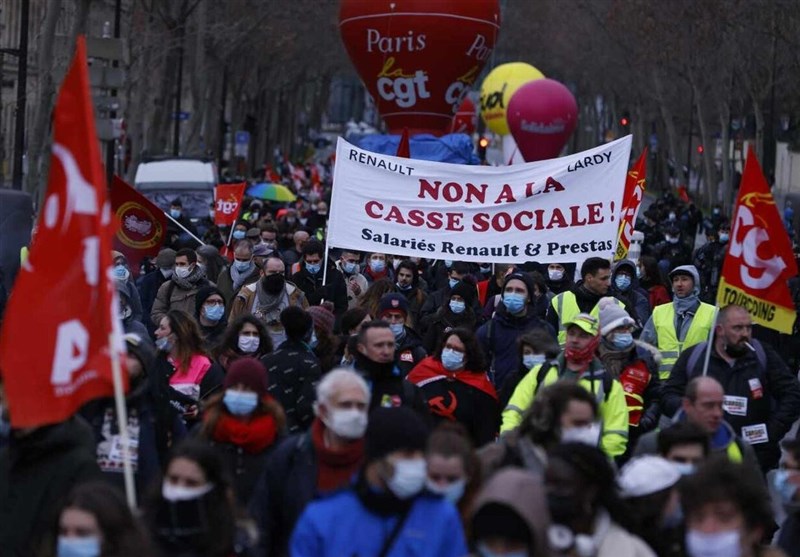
581 298
702 406
684 322
578 362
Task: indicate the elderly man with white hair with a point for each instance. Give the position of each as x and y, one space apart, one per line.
318 461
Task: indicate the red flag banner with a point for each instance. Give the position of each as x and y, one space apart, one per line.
404 147
631 201
228 201
142 224
54 348
759 261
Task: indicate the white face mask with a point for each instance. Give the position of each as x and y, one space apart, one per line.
718 544
555 274
408 478
453 492
349 423
183 272
247 344
588 435
173 493
167 273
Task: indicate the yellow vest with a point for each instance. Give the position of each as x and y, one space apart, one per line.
668 343
566 307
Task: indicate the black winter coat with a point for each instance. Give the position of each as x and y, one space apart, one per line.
293 373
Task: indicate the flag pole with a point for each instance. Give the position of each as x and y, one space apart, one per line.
198 240
710 341
122 421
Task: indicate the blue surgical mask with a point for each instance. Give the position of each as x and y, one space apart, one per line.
175 213
377 265
350 267
164 344
78 547
398 329
638 272
724 237
313 268
484 551
621 341
121 272
782 485
238 234
452 360
242 266
448 263
485 269
623 282
452 282
240 403
214 313
457 306
685 468
531 360
452 492
514 302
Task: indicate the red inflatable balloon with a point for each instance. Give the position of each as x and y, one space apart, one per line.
418 58
465 118
542 115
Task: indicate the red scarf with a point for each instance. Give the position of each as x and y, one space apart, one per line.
431 369
253 435
335 467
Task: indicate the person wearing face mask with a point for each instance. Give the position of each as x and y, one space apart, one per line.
456 387
242 424
211 261
681 324
727 512
95 521
513 318
559 277
577 362
129 324
194 511
786 484
457 312
709 259
652 281
318 462
125 283
309 279
672 252
459 272
348 265
634 364
409 351
535 347
492 286
588 517
509 517
376 268
293 369
246 336
293 255
242 271
288 225
179 292
210 314
625 287
453 468
561 412
177 214
149 283
762 396
387 511
649 487
409 283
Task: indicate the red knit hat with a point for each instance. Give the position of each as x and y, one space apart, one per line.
249 372
322 317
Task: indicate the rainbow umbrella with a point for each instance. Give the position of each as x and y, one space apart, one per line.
271 192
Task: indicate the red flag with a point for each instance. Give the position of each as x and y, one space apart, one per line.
228 202
55 351
142 224
759 261
631 201
404 147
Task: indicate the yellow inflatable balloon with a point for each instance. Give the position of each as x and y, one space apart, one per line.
497 89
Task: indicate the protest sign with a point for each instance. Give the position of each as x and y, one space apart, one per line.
560 210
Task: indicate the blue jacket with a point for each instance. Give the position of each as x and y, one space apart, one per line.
341 526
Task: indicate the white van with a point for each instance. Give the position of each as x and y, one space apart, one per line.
191 180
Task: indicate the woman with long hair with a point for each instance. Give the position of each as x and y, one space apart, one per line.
324 343
243 423
372 297
457 388
95 520
193 377
193 511
246 336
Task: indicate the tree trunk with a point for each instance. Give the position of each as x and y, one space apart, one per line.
759 115
725 139
707 158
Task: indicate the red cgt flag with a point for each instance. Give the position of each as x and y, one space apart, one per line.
228 201
141 224
55 351
759 261
631 201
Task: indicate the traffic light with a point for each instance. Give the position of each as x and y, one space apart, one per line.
625 123
483 143
700 149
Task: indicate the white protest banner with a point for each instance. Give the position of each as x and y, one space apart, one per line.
556 211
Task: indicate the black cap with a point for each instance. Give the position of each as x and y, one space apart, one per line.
394 429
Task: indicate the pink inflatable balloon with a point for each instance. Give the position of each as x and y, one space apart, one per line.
541 115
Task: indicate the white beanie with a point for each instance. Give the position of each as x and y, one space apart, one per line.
646 475
613 315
